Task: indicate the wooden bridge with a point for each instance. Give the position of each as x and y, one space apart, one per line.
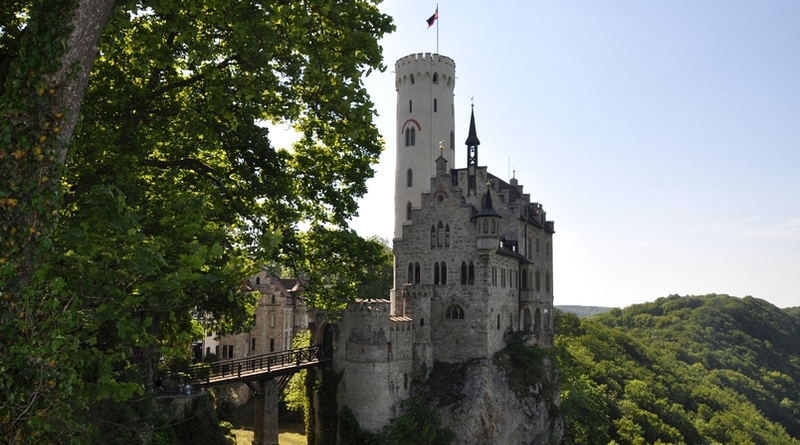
256 368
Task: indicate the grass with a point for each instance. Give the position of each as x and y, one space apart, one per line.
290 433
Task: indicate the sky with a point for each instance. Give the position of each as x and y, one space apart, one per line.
662 137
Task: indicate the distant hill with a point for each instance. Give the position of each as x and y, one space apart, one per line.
695 370
583 311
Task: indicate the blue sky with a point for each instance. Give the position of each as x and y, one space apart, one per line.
663 138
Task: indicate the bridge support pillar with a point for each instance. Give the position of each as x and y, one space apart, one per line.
265 422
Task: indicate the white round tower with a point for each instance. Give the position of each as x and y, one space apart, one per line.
425 121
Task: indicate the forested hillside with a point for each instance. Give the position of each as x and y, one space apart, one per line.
694 370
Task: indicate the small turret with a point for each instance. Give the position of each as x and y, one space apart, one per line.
472 155
488 223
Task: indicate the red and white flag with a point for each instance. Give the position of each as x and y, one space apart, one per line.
433 17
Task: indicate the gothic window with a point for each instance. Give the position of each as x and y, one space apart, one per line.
413 136
435 77
410 273
409 178
538 281
436 273
434 105
485 226
527 323
271 344
447 235
471 273
412 78
408 136
416 273
433 236
493 226
454 312
443 273
440 235
408 211
463 272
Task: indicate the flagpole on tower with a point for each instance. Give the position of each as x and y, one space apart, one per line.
435 18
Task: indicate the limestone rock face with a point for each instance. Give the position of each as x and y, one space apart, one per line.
485 401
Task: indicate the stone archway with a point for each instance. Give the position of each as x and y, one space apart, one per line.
526 318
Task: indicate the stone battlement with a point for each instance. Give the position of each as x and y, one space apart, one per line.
422 57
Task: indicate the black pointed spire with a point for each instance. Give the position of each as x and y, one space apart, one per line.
488 207
472 138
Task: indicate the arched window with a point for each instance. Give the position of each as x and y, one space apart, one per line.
258 280
435 77
524 279
440 235
408 211
436 273
433 236
435 106
471 273
408 136
444 273
538 280
454 312
416 273
410 106
412 78
413 136
410 273
463 272
485 226
447 235
493 226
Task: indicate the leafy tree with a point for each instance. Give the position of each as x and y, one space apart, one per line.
174 192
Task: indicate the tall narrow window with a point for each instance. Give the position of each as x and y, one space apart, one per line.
433 236
410 273
452 140
435 77
447 235
408 211
440 235
471 273
410 106
413 136
436 273
538 280
444 273
524 279
271 344
463 272
435 106
408 136
253 344
409 178
416 273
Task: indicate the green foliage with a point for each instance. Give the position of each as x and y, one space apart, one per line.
225 402
379 276
350 432
699 370
174 192
418 425
294 396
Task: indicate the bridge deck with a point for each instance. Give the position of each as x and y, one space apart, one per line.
259 367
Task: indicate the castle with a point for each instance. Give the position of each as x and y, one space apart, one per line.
473 259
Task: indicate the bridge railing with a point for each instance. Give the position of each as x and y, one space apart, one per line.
233 369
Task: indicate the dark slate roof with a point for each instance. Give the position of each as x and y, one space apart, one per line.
488 208
472 138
